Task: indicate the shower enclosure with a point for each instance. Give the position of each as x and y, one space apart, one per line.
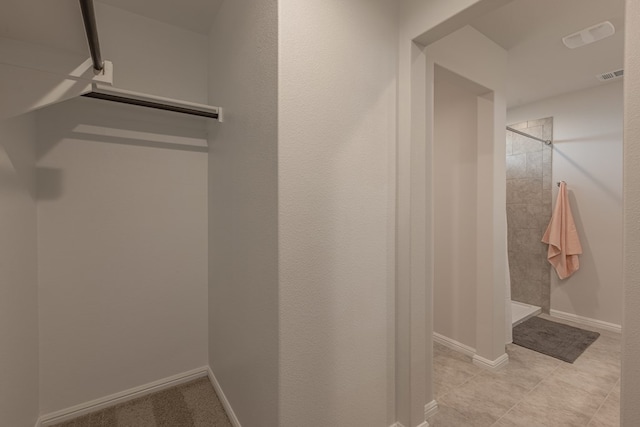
529 196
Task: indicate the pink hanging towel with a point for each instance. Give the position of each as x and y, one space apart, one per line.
562 237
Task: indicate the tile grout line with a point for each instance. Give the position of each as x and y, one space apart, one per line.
460 386
603 402
526 394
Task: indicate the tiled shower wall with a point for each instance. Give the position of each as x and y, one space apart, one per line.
528 211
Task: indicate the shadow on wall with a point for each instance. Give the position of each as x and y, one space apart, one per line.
10 181
50 183
101 121
95 121
17 151
617 197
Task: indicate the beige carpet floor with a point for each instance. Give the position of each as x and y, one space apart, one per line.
193 404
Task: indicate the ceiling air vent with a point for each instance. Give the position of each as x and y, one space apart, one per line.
611 75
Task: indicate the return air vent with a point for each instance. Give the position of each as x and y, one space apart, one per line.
611 75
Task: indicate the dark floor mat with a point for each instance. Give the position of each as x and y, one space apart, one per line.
553 339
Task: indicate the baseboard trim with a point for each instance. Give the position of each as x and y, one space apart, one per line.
223 399
123 396
586 321
454 345
424 424
430 409
491 364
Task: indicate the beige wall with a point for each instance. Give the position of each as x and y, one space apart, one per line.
18 273
122 249
630 386
243 210
587 154
337 69
461 52
122 222
421 23
455 150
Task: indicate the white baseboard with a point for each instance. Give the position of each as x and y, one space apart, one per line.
123 396
430 409
491 364
454 345
223 399
471 352
586 321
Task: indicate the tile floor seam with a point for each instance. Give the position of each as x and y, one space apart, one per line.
603 402
526 394
460 385
602 411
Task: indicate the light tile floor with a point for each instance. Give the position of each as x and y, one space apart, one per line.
533 390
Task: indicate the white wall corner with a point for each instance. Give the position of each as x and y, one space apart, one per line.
454 345
223 399
121 397
491 364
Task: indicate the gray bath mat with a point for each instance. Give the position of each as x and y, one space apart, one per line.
553 339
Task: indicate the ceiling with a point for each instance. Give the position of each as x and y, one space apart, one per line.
540 65
58 23
194 15
531 31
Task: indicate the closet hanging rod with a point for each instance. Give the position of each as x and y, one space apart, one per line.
151 101
546 141
129 97
90 27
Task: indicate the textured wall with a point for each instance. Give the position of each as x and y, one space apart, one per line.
630 386
455 204
18 273
413 355
426 21
122 222
122 249
336 123
528 211
461 52
243 209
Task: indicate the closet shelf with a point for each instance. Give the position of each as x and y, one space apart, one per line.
109 93
123 96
